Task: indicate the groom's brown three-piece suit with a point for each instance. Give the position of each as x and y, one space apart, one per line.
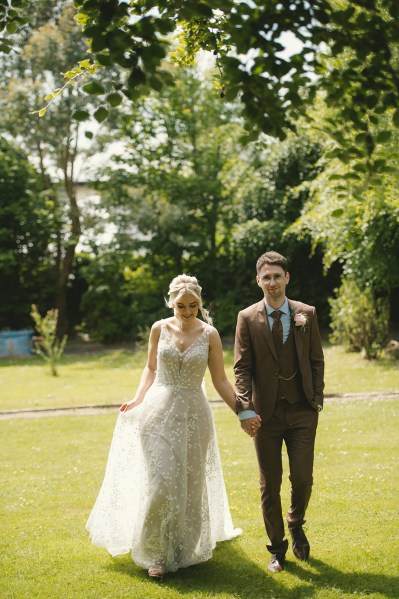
284 385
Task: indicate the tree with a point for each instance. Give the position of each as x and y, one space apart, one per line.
353 214
359 319
57 143
270 198
26 225
123 296
168 197
247 40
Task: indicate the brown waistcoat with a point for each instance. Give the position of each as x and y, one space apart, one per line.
289 382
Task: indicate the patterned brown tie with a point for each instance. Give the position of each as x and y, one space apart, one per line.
277 330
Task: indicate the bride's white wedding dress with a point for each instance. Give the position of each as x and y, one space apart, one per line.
163 497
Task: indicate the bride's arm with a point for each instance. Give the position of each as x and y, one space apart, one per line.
218 374
149 372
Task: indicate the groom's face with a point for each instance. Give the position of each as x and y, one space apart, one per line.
273 280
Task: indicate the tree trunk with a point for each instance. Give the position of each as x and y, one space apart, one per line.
66 264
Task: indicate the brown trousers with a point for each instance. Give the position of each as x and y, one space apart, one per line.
296 425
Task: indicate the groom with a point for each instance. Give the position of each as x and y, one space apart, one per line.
279 369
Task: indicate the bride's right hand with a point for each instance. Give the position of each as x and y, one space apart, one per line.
128 405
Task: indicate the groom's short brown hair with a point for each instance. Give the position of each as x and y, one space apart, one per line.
272 258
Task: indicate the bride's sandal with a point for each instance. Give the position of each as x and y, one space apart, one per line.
156 572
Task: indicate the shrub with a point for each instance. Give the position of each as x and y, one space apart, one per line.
47 345
359 320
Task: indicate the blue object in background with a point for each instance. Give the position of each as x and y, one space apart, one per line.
16 343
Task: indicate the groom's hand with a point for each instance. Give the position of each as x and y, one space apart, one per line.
251 425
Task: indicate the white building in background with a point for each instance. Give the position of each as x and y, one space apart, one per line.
102 231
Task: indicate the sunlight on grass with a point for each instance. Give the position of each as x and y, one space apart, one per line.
112 378
101 379
52 470
349 372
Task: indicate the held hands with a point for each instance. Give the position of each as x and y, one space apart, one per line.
251 425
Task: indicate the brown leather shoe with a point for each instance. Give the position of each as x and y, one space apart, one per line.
277 562
300 544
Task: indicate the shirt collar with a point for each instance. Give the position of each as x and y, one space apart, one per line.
285 308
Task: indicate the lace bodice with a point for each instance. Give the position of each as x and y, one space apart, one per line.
186 369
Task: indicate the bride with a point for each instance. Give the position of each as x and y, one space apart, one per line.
163 497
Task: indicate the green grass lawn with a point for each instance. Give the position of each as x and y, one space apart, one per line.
52 469
112 377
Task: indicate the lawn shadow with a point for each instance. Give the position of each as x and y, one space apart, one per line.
232 572
228 572
320 575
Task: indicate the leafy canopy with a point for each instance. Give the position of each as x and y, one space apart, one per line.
248 41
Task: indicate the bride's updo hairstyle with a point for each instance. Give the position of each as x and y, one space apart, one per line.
185 284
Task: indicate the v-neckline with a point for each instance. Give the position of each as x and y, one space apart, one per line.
179 351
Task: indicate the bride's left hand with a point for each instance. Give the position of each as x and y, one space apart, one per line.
128 405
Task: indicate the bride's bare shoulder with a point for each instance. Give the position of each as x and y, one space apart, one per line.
156 328
214 336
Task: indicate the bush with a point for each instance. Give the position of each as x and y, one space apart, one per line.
359 320
47 345
122 298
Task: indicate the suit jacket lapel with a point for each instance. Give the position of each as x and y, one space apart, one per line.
264 327
298 333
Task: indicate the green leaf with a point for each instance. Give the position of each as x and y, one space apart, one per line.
98 43
101 114
80 115
114 99
337 212
12 27
155 83
355 151
395 118
81 18
361 138
93 88
85 64
203 9
379 164
351 175
335 153
69 74
136 77
231 92
338 136
383 136
42 112
104 60
360 167
89 134
344 157
5 48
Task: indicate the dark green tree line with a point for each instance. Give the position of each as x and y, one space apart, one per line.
26 226
56 144
187 194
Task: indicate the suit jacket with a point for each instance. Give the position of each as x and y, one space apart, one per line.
255 359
